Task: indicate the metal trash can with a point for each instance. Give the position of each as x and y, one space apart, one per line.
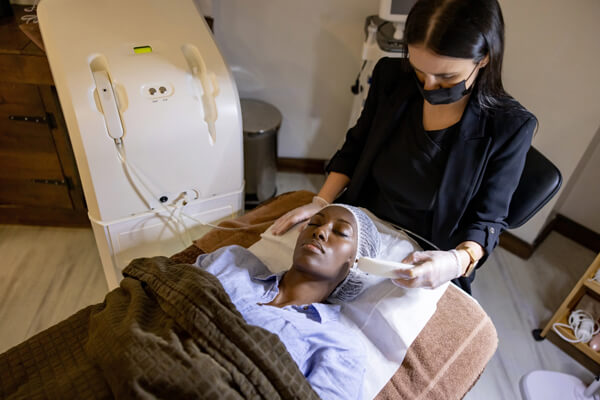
261 122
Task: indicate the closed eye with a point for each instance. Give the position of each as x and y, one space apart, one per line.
445 77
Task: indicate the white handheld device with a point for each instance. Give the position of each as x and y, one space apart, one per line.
110 107
210 87
381 268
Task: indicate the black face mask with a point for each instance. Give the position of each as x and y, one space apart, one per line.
445 95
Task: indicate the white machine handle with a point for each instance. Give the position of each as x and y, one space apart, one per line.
210 87
109 105
381 268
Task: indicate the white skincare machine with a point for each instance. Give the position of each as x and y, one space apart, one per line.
154 119
383 38
396 12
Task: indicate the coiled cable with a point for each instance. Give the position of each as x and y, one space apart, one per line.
582 324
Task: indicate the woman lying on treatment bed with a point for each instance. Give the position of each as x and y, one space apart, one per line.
223 328
293 304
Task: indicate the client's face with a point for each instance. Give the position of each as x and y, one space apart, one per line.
327 246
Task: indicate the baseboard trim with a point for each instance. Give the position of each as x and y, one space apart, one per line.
518 247
560 224
577 232
304 165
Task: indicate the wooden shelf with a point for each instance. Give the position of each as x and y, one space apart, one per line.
583 347
580 351
592 285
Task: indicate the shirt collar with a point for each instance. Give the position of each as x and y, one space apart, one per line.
327 312
268 276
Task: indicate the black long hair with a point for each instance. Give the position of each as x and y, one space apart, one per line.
464 29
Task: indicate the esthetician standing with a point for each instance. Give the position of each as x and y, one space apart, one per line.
440 146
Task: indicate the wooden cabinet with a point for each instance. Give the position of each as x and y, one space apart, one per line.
582 352
39 183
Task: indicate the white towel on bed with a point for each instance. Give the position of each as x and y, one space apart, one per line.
386 317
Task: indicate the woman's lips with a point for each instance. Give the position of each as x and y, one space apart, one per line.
315 247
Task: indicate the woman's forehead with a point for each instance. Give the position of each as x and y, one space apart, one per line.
428 62
339 213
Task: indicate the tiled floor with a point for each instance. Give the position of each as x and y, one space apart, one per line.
46 274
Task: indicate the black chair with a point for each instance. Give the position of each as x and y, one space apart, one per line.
539 182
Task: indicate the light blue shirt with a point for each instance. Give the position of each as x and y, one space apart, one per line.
330 356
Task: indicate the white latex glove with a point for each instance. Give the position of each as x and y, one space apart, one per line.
303 213
431 269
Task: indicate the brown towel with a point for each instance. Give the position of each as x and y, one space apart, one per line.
264 215
450 353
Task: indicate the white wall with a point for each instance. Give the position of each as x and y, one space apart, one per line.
580 200
302 57
552 65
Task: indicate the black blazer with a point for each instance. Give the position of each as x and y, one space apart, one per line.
484 163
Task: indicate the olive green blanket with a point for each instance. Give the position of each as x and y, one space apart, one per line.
169 331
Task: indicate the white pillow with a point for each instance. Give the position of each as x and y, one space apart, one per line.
387 318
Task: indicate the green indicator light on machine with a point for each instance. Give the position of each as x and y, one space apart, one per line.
142 49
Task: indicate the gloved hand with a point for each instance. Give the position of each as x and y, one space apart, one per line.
431 269
303 213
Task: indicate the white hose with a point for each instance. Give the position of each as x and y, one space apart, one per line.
175 213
